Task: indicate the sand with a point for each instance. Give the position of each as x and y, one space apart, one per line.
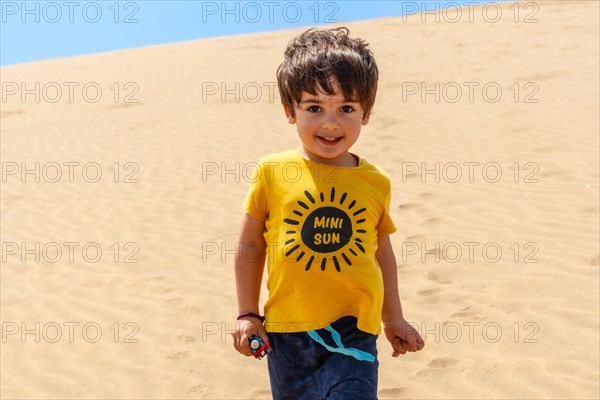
149 317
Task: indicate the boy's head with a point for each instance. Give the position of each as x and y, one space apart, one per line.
323 61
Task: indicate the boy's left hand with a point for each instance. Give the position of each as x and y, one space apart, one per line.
403 337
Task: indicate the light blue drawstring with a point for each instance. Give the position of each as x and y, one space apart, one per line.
352 352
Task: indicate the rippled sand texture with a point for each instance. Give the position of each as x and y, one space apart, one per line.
497 251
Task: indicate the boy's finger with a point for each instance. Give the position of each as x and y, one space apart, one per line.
411 341
399 345
245 346
236 344
238 341
407 346
395 352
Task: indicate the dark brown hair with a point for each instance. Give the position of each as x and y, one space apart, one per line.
322 57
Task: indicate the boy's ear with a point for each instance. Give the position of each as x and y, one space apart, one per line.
288 115
366 118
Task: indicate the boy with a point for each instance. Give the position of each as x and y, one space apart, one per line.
321 216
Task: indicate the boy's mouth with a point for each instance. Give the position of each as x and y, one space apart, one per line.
330 139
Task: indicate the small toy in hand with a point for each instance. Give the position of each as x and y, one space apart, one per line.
258 347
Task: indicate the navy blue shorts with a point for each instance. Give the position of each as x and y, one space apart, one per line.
336 362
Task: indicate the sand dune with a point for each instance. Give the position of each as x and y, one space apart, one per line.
149 316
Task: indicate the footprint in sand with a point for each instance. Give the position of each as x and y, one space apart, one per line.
125 105
443 362
261 394
430 296
151 279
393 393
546 149
385 122
437 366
410 206
429 292
178 356
417 237
416 175
549 174
175 300
539 77
185 339
5 114
438 276
467 314
193 310
200 389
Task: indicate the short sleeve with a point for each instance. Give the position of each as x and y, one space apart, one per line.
386 225
255 203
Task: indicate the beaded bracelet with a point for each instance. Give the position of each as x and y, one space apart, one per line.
251 314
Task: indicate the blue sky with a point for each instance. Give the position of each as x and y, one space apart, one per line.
37 30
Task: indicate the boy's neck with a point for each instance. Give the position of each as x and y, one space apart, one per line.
347 160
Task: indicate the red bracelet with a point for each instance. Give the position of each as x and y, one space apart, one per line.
251 314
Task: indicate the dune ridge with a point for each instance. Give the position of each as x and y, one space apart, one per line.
175 158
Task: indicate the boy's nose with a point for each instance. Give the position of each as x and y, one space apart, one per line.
330 124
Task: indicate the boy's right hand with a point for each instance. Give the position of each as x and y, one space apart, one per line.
244 329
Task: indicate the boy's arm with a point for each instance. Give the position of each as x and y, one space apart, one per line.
249 266
402 336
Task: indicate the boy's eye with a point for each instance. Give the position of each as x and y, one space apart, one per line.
316 109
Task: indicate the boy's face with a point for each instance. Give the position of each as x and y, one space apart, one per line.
328 125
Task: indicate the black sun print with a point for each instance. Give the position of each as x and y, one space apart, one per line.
325 227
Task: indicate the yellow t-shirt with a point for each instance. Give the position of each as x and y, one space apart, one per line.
321 232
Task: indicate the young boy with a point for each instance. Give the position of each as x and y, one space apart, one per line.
321 216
